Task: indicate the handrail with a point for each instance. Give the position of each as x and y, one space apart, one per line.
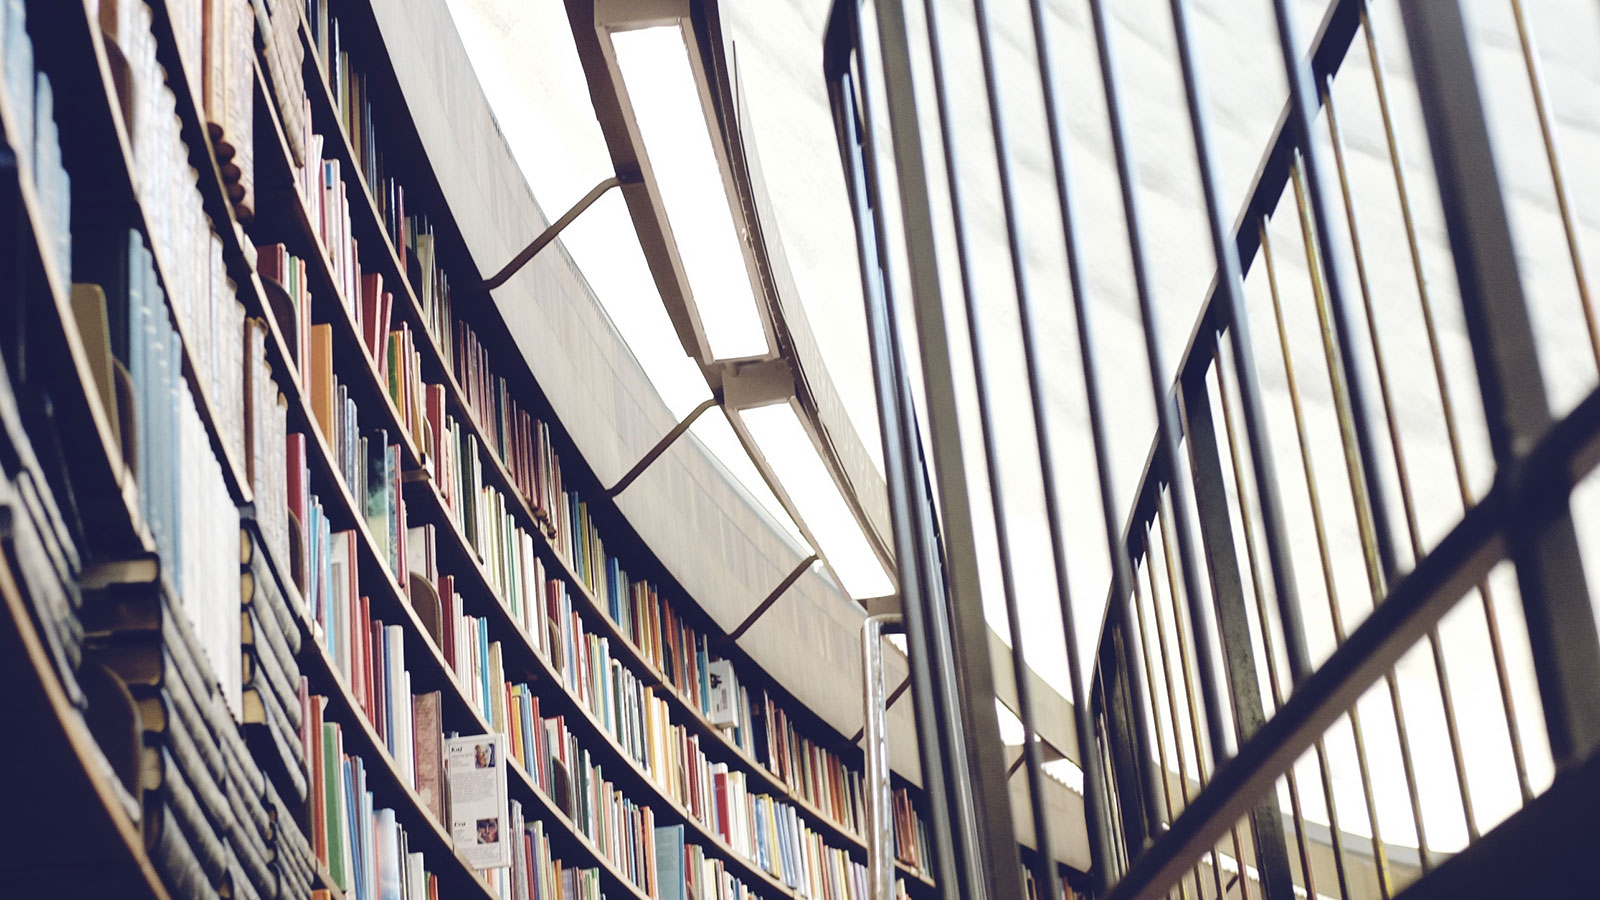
1180 704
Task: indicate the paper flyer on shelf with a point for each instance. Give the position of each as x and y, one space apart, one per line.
478 822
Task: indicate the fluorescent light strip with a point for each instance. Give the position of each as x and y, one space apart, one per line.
789 451
675 129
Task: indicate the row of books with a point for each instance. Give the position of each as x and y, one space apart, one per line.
520 441
535 873
179 478
42 548
30 101
910 834
182 236
756 723
629 711
702 877
759 828
368 461
365 850
411 234
270 716
1033 890
267 431
228 34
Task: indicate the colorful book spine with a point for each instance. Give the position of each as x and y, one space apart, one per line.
362 847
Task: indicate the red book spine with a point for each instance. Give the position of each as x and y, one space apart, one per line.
724 827
447 607
376 706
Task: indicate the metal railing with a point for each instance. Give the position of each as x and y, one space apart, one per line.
1270 706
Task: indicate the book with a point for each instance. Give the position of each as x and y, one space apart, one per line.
428 751
671 881
228 91
475 767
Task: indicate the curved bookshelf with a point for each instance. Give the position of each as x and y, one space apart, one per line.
325 113
96 58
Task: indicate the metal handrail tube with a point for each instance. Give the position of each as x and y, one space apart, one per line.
875 718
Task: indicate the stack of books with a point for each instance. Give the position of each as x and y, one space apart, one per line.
270 643
43 554
188 759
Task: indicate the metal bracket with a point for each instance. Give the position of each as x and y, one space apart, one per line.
549 234
661 446
764 605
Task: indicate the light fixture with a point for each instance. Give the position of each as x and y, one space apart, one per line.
664 88
666 104
786 443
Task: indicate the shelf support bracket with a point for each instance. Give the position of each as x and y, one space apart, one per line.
661 446
551 233
764 605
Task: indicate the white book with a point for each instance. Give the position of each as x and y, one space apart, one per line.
476 768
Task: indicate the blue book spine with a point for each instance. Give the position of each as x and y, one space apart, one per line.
483 667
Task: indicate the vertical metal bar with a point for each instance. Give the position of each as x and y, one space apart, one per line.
1375 575
1121 567
880 798
1233 624
1230 282
1324 555
1541 108
1162 522
1446 403
1258 591
1137 776
988 839
920 580
1397 454
1106 744
1171 707
1543 542
1302 110
1166 412
1049 875
1093 779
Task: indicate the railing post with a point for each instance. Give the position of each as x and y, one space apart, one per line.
1539 531
875 721
1233 625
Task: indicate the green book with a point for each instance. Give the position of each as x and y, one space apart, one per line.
333 793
